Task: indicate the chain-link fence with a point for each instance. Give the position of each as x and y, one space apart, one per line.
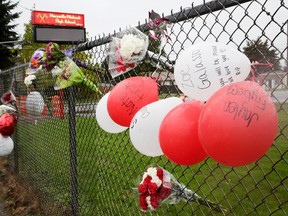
76 168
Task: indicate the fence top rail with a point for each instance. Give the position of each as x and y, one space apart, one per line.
13 68
184 14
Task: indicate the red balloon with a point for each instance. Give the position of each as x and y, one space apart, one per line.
238 124
7 124
129 96
178 134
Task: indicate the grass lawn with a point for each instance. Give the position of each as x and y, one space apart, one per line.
108 167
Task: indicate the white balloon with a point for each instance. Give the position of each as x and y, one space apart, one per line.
35 103
6 145
145 125
204 68
103 118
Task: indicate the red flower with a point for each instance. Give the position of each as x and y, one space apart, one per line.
152 188
7 97
160 174
142 201
147 180
123 67
130 65
164 192
154 201
142 188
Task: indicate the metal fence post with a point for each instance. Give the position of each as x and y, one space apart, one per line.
16 153
14 88
73 152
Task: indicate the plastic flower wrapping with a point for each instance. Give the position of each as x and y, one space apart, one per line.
126 50
159 186
68 73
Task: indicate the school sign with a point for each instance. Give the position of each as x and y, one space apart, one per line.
58 27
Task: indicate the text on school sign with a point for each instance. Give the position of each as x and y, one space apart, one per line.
57 19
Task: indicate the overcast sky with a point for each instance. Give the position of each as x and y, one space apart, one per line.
102 16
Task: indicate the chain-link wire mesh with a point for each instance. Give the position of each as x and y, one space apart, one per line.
76 168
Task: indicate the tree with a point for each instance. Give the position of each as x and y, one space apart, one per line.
7 33
262 52
29 47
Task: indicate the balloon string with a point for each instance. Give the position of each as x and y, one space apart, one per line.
155 75
183 98
253 74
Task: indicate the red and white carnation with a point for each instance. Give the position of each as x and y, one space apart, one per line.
158 186
153 189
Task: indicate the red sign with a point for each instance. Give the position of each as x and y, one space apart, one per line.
57 19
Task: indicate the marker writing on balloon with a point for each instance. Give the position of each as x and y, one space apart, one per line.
237 71
196 55
186 77
129 104
134 89
235 90
144 112
133 122
214 48
240 111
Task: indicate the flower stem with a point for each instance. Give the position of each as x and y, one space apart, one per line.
189 195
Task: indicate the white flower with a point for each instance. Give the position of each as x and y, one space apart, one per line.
148 201
29 79
129 45
152 172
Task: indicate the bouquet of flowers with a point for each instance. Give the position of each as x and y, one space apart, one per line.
158 30
67 73
52 56
35 63
158 186
8 98
64 68
126 50
159 26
